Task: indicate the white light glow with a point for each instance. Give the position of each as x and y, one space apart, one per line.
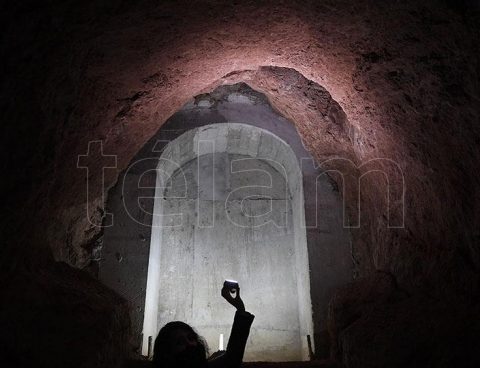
195 304
220 342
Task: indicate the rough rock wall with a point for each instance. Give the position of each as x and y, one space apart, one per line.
375 323
405 75
58 316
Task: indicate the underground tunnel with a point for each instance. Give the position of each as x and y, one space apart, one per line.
324 154
228 194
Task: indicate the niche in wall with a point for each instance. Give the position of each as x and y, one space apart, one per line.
126 250
229 204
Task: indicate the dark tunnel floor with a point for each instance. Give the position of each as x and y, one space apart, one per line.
310 364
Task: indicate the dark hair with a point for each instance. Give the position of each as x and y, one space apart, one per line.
161 349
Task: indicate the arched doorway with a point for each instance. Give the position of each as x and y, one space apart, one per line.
126 249
229 204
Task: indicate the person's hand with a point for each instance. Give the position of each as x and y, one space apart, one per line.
234 299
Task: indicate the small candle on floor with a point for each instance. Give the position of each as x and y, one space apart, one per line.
220 342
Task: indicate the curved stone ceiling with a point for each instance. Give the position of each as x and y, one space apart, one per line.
119 77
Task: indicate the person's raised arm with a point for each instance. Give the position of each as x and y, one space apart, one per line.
241 327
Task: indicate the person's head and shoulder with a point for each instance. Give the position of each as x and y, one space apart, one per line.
179 345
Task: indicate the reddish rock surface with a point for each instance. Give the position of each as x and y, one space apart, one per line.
404 75
374 323
60 317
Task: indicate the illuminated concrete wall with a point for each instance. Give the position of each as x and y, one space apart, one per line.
228 214
237 224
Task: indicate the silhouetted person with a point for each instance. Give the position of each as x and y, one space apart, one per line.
178 345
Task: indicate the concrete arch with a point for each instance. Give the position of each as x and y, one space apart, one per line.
241 139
